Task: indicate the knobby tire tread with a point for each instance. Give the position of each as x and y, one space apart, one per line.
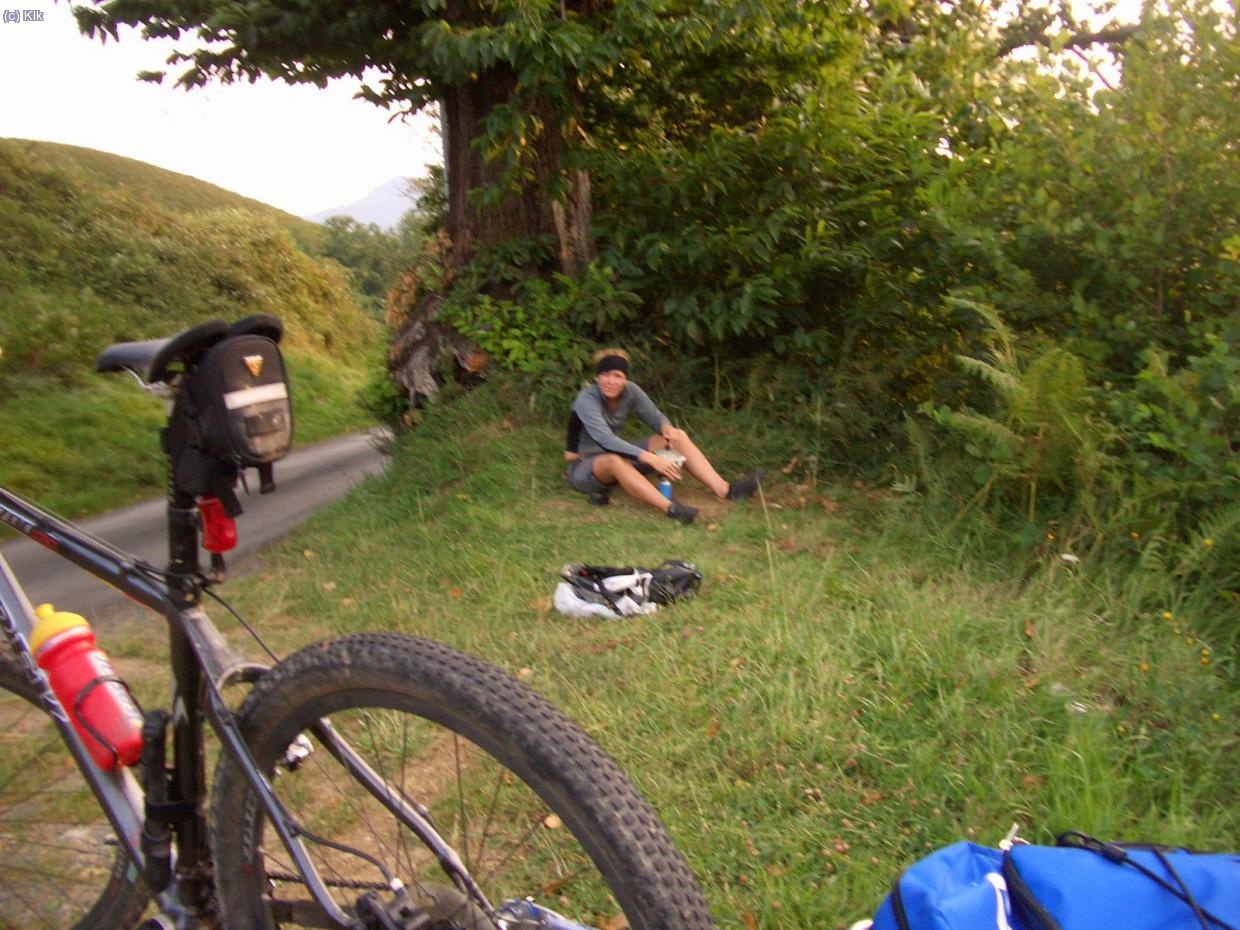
631 847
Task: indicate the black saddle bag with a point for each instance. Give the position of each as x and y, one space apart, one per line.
233 411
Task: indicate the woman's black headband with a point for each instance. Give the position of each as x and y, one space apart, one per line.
612 363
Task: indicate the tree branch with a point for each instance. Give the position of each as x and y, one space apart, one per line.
1093 69
1113 35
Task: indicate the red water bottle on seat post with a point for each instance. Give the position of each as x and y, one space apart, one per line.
97 702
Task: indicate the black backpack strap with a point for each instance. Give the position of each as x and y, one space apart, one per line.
222 483
588 579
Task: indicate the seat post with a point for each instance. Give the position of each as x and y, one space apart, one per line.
183 567
188 784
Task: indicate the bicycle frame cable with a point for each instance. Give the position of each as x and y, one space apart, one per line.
245 624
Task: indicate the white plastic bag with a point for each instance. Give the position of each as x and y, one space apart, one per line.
568 602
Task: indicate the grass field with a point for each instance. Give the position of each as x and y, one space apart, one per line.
849 689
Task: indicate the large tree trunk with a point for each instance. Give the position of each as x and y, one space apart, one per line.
425 351
529 212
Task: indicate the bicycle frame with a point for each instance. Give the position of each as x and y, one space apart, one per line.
202 663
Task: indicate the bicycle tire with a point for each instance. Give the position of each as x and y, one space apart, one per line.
573 797
60 864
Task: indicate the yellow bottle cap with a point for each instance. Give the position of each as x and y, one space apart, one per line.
52 622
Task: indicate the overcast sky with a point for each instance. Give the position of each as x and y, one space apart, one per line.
298 148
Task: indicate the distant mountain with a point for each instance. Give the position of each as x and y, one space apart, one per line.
384 206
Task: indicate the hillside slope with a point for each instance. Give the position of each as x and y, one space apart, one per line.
170 190
86 262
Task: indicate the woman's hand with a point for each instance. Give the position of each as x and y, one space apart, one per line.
664 466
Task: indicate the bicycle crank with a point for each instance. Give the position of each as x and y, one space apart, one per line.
398 914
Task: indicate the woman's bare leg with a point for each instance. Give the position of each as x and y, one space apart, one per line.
613 469
696 462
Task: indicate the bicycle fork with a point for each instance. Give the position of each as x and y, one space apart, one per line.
218 664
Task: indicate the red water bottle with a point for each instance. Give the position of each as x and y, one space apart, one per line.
100 706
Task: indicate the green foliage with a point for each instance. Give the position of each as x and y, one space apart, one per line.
1101 218
380 398
1179 432
374 257
708 185
1145 478
1189 416
543 329
1040 431
904 156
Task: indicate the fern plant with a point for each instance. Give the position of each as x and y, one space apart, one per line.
1039 429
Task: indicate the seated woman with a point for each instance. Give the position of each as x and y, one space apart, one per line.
598 459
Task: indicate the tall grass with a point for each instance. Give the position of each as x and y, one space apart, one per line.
849 689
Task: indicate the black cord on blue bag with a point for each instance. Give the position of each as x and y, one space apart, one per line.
1188 895
1113 852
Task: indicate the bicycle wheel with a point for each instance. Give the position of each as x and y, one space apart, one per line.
532 807
60 864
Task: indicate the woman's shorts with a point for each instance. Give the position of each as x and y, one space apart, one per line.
580 474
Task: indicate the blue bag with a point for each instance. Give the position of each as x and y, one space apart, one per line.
960 887
1081 884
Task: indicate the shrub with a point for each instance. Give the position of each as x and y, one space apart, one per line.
1041 429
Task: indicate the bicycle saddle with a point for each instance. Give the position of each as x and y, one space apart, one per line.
155 358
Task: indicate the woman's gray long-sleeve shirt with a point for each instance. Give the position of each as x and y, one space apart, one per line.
594 426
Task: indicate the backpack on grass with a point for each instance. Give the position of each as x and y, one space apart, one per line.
673 580
1079 884
593 590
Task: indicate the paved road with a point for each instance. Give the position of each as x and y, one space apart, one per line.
305 481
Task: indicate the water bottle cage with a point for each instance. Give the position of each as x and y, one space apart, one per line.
77 712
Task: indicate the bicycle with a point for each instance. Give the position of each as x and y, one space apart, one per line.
369 781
